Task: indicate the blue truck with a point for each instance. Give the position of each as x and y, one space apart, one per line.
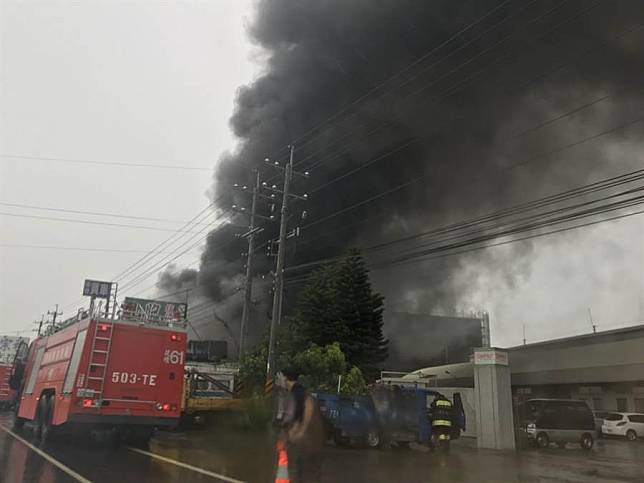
388 416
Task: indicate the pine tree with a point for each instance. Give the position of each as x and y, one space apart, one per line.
339 305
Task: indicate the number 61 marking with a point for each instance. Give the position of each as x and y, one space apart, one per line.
173 357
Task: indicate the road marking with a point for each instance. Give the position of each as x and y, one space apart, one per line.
52 460
187 466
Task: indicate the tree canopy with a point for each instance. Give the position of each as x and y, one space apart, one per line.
339 305
335 331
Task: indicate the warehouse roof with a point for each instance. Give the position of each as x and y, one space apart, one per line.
613 335
602 357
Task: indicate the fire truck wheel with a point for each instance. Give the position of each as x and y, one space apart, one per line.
18 423
45 414
140 436
41 410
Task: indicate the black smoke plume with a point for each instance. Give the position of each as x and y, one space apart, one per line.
454 122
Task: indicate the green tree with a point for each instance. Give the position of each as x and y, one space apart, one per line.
339 305
319 368
353 382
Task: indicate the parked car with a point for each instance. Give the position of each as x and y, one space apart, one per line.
600 416
628 425
558 421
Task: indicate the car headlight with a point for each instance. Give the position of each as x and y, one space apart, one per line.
531 428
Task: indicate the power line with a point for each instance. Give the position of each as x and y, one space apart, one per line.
454 88
105 163
456 69
153 251
96 213
579 192
433 256
513 228
162 263
528 237
76 249
524 207
156 249
396 75
89 222
411 181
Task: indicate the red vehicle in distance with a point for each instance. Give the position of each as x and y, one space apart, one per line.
101 373
13 351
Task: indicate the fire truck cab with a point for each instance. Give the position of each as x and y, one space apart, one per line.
105 373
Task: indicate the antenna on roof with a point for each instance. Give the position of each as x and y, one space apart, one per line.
590 316
524 334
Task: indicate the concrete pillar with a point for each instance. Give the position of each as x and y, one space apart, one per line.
493 397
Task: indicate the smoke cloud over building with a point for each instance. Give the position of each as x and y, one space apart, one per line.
411 115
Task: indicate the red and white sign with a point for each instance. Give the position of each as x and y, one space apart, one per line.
490 357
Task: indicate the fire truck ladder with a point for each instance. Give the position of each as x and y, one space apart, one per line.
99 357
4 385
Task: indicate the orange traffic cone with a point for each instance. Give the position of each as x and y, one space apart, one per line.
282 464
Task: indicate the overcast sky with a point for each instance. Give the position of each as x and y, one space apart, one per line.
127 82
154 83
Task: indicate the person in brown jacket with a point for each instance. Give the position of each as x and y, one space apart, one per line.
304 432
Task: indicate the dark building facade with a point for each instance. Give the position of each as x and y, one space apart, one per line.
422 340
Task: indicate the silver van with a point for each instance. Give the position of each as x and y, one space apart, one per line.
558 421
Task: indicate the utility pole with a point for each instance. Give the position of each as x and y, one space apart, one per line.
271 197
40 323
279 269
54 314
248 286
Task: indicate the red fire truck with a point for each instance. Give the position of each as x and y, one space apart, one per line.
13 351
94 372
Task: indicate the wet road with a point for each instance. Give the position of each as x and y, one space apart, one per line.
209 456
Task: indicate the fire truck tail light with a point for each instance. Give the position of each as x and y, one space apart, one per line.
166 407
175 337
87 403
103 327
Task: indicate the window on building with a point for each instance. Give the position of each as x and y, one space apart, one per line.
639 404
597 404
622 404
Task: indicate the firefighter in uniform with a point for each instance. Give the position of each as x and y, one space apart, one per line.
441 418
